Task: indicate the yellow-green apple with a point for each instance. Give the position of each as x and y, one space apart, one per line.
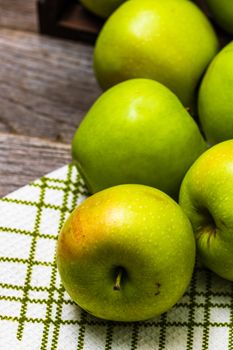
206 197
222 11
136 132
170 41
215 101
102 8
126 253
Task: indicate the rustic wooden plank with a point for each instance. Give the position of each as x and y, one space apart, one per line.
46 85
24 159
18 14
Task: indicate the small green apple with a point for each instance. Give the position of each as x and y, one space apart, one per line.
170 41
215 102
206 197
137 132
126 253
222 11
102 8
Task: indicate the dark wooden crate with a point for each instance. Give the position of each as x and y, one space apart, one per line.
68 19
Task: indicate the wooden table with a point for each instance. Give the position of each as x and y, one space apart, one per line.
46 87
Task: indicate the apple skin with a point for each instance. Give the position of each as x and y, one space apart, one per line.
102 8
139 229
136 132
169 41
206 196
215 101
222 11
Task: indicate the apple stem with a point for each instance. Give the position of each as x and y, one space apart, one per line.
117 285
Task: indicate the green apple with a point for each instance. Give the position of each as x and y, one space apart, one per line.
222 11
170 41
136 132
102 8
206 197
215 102
126 253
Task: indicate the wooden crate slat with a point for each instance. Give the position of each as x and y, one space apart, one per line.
67 19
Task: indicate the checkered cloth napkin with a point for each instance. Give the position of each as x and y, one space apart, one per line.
37 314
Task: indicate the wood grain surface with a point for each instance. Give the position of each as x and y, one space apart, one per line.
18 14
25 158
46 86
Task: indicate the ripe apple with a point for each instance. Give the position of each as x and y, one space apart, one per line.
137 132
222 11
206 197
215 102
102 8
169 41
126 253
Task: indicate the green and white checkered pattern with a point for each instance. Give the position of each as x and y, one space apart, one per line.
35 311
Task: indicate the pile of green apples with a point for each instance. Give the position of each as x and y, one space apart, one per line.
156 154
